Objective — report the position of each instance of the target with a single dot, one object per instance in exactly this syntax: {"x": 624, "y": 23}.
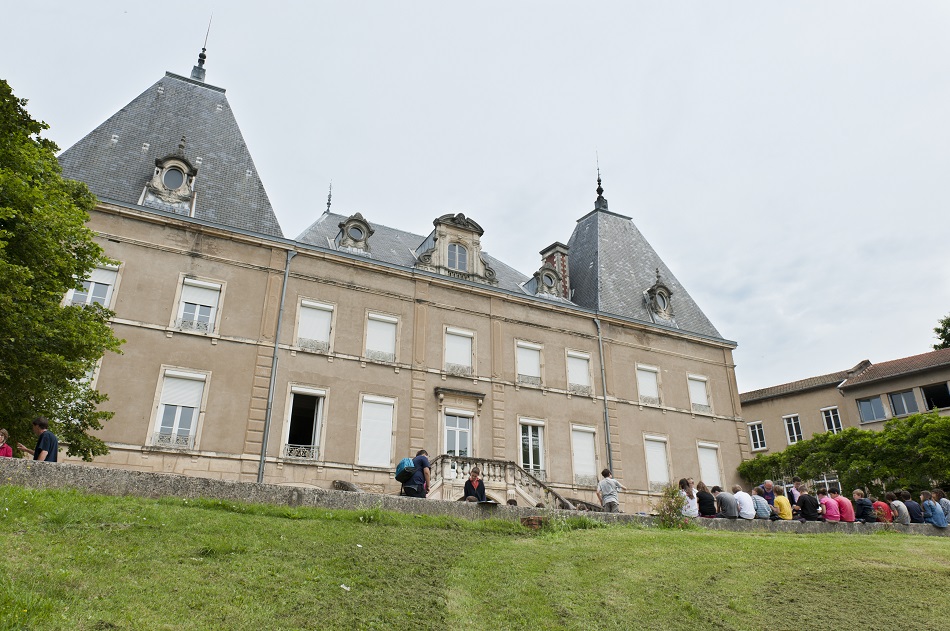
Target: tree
{"x": 47, "y": 350}
{"x": 943, "y": 333}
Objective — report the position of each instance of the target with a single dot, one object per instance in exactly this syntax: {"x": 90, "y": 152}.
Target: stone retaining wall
{"x": 103, "y": 481}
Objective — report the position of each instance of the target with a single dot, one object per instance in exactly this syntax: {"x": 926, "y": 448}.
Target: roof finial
{"x": 600, "y": 202}
{"x": 198, "y": 72}
{"x": 329, "y": 196}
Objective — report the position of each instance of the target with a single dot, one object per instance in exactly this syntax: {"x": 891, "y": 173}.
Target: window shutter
{"x": 314, "y": 323}
{"x": 182, "y": 392}
{"x": 585, "y": 463}
{"x": 529, "y": 362}
{"x": 200, "y": 295}
{"x": 376, "y": 427}
{"x": 381, "y": 336}
{"x": 578, "y": 370}
{"x": 709, "y": 466}
{"x": 458, "y": 349}
{"x": 657, "y": 468}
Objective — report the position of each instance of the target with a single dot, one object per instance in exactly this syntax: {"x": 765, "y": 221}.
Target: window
{"x": 458, "y": 351}
{"x": 871, "y": 409}
{"x": 709, "y": 470}
{"x": 381, "y": 337}
{"x": 578, "y": 372}
{"x": 793, "y": 428}
{"x": 698, "y": 395}
{"x": 96, "y": 289}
{"x": 585, "y": 460}
{"x": 903, "y": 403}
{"x": 458, "y": 257}
{"x": 178, "y": 409}
{"x": 304, "y": 425}
{"x": 832, "y": 420}
{"x": 658, "y": 468}
{"x": 314, "y": 326}
{"x": 199, "y": 305}
{"x": 936, "y": 396}
{"x": 532, "y": 447}
{"x": 528, "y": 358}
{"x": 647, "y": 385}
{"x": 458, "y": 433}
{"x": 376, "y": 431}
{"x": 757, "y": 436}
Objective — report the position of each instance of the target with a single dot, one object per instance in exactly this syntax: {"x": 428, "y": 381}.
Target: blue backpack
{"x": 405, "y": 470}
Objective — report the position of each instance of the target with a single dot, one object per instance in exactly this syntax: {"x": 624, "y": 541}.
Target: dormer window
{"x": 458, "y": 257}
{"x": 173, "y": 178}
{"x": 454, "y": 249}
{"x": 354, "y": 235}
{"x": 548, "y": 280}
{"x": 660, "y": 299}
{"x": 172, "y": 185}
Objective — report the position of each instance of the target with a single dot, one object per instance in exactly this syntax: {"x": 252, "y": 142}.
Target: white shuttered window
{"x": 709, "y": 465}
{"x": 381, "y": 337}
{"x": 658, "y": 469}
{"x": 376, "y": 431}
{"x": 585, "y": 459}
{"x": 313, "y": 325}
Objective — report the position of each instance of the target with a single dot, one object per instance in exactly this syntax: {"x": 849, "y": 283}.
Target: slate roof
{"x": 611, "y": 264}
{"x": 396, "y": 246}
{"x": 228, "y": 187}
{"x": 899, "y": 367}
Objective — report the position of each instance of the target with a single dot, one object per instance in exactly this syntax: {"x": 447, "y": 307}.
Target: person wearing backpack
{"x": 418, "y": 484}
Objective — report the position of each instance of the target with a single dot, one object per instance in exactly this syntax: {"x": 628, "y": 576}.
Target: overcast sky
{"x": 788, "y": 161}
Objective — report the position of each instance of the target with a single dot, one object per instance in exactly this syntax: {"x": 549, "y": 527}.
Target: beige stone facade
{"x": 232, "y": 361}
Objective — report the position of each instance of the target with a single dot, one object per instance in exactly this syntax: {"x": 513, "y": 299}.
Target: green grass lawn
{"x": 76, "y": 561}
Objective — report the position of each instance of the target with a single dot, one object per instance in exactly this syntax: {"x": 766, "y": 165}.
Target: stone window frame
{"x": 579, "y": 388}
{"x": 699, "y": 408}
{"x": 523, "y": 379}
{"x": 448, "y": 330}
{"x": 366, "y": 397}
{"x": 379, "y": 316}
{"x": 655, "y": 370}
{"x": 201, "y": 282}
{"x": 309, "y": 390}
{"x": 178, "y": 372}
{"x": 317, "y": 346}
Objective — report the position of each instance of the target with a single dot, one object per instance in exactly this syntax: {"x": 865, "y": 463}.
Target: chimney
{"x": 556, "y": 256}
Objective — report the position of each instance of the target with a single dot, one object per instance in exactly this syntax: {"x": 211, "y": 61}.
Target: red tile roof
{"x": 812, "y": 383}
{"x": 898, "y": 367}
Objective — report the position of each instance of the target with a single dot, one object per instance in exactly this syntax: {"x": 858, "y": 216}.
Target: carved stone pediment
{"x": 459, "y": 220}
{"x": 172, "y": 184}
{"x": 454, "y": 249}
{"x": 660, "y": 298}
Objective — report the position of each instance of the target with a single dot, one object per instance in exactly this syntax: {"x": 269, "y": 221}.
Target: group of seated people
{"x": 769, "y": 501}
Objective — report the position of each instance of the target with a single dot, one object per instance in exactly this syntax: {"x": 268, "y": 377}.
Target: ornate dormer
{"x": 172, "y": 185}
{"x": 454, "y": 249}
{"x": 354, "y": 234}
{"x": 551, "y": 280}
{"x": 659, "y": 299}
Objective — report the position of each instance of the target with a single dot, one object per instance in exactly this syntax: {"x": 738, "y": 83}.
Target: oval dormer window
{"x": 173, "y": 178}
{"x": 662, "y": 302}
{"x": 355, "y": 233}
{"x": 548, "y": 280}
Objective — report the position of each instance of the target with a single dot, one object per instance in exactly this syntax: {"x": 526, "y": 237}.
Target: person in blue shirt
{"x": 933, "y": 514}
{"x": 418, "y": 484}
{"x": 47, "y": 447}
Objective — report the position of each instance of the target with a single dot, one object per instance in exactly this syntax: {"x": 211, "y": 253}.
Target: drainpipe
{"x": 273, "y": 368}
{"x": 603, "y": 380}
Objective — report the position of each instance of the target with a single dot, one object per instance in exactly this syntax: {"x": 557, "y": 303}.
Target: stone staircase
{"x": 504, "y": 481}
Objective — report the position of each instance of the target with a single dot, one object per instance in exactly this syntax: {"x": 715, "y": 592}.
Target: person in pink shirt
{"x": 845, "y": 509}
{"x": 6, "y": 451}
{"x": 829, "y": 507}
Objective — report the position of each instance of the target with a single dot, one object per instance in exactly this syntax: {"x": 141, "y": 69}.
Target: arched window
{"x": 458, "y": 257}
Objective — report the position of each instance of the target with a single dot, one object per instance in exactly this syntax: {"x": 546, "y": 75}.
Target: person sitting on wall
{"x": 829, "y": 507}
{"x": 726, "y": 503}
{"x": 913, "y": 508}
{"x": 809, "y": 509}
{"x": 933, "y": 514}
{"x": 863, "y": 508}
{"x": 746, "y": 507}
{"x": 762, "y": 508}
{"x": 882, "y": 510}
{"x": 690, "y": 501}
{"x": 845, "y": 509}
{"x": 6, "y": 451}
{"x": 706, "y": 501}
{"x": 941, "y": 498}
{"x": 474, "y": 488}
{"x": 898, "y": 508}
{"x": 783, "y": 508}
{"x": 796, "y": 490}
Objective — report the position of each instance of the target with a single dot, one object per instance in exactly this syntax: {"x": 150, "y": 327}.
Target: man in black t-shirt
{"x": 47, "y": 447}
{"x": 807, "y": 507}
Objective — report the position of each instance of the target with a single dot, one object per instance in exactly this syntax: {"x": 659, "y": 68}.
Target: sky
{"x": 788, "y": 161}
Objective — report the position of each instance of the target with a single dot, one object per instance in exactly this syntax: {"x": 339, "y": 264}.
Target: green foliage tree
{"x": 942, "y": 330}
{"x": 910, "y": 452}
{"x": 46, "y": 349}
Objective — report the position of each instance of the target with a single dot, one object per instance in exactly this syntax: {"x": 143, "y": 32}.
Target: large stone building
{"x": 251, "y": 356}
{"x": 864, "y": 396}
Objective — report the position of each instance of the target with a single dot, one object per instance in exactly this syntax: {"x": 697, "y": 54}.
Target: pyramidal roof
{"x": 118, "y": 158}
{"x": 612, "y": 267}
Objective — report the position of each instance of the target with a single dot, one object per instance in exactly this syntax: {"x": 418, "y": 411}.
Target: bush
{"x": 669, "y": 510}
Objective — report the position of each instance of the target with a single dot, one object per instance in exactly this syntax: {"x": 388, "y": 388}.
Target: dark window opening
{"x": 936, "y": 396}
{"x": 304, "y": 435}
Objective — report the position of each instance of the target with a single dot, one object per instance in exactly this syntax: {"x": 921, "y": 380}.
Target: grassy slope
{"x": 86, "y": 562}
